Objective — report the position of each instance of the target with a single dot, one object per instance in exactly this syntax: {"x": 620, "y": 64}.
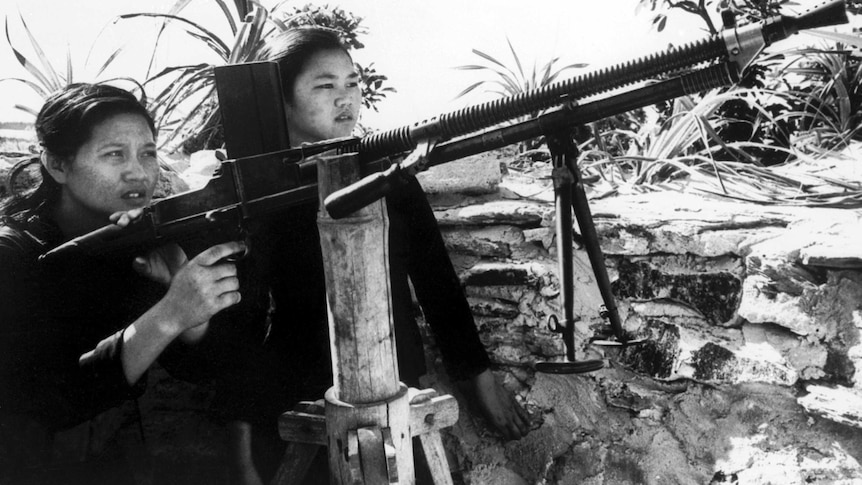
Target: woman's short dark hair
{"x": 67, "y": 118}
{"x": 66, "y": 122}
{"x": 291, "y": 49}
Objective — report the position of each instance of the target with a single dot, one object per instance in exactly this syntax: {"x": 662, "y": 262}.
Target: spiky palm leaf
{"x": 185, "y": 106}
{"x": 510, "y": 81}
{"x": 46, "y": 77}
{"x": 507, "y": 81}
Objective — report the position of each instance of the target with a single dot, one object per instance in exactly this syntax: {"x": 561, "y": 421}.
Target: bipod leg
{"x": 563, "y": 149}
{"x": 594, "y": 251}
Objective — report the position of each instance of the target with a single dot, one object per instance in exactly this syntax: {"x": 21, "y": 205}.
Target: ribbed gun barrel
{"x": 477, "y": 117}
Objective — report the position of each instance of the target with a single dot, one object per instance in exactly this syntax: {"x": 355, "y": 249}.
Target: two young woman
{"x": 77, "y": 336}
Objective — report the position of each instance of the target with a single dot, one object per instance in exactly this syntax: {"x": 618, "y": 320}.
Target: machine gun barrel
{"x": 783, "y": 26}
{"x": 734, "y": 49}
{"x": 739, "y": 44}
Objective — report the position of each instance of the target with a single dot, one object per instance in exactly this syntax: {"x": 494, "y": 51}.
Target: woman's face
{"x": 115, "y": 170}
{"x": 325, "y": 100}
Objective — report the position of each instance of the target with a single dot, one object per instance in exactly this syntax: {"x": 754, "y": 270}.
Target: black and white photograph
{"x": 268, "y": 242}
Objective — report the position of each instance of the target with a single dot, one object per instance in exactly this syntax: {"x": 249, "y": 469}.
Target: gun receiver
{"x": 251, "y": 186}
{"x": 240, "y": 190}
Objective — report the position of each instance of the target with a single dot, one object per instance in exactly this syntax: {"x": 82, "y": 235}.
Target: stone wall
{"x": 750, "y": 373}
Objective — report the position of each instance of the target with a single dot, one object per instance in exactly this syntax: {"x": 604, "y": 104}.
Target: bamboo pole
{"x": 367, "y": 409}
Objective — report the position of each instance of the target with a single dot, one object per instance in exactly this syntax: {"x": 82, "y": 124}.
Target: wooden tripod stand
{"x": 368, "y": 417}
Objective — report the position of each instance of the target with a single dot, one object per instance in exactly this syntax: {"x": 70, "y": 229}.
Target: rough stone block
{"x": 487, "y": 307}
{"x": 715, "y": 363}
{"x": 494, "y": 475}
{"x": 479, "y": 174}
{"x": 715, "y": 295}
{"x": 503, "y": 274}
{"x": 535, "y": 452}
{"x": 656, "y": 356}
{"x": 501, "y": 212}
{"x": 571, "y": 400}
{"x": 491, "y": 242}
{"x": 839, "y": 404}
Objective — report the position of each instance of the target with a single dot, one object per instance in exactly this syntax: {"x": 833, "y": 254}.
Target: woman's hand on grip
{"x": 204, "y": 285}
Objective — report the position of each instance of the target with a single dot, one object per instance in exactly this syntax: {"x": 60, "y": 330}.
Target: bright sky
{"x": 416, "y": 43}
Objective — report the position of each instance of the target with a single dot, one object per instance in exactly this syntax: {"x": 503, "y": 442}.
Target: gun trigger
{"x": 240, "y": 256}
{"x": 246, "y": 239}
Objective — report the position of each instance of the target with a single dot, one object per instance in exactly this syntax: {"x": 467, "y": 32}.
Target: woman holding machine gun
{"x": 78, "y": 336}
{"x": 322, "y": 101}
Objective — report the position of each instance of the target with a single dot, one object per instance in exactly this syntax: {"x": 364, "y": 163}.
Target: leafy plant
{"x": 686, "y": 147}
{"x": 507, "y": 81}
{"x": 666, "y": 145}
{"x": 803, "y": 93}
{"x": 373, "y": 90}
{"x": 348, "y": 26}
{"x": 47, "y": 78}
{"x": 705, "y": 9}
{"x": 810, "y": 94}
{"x": 186, "y": 105}
{"x": 659, "y": 20}
{"x": 831, "y": 82}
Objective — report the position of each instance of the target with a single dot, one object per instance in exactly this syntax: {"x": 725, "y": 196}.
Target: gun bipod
{"x": 570, "y": 198}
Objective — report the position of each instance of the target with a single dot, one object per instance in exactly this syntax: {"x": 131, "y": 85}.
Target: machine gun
{"x": 725, "y": 57}
{"x": 253, "y": 186}
{"x": 722, "y": 60}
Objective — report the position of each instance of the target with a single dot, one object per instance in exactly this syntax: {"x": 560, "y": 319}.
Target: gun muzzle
{"x": 89, "y": 242}
{"x": 780, "y": 27}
